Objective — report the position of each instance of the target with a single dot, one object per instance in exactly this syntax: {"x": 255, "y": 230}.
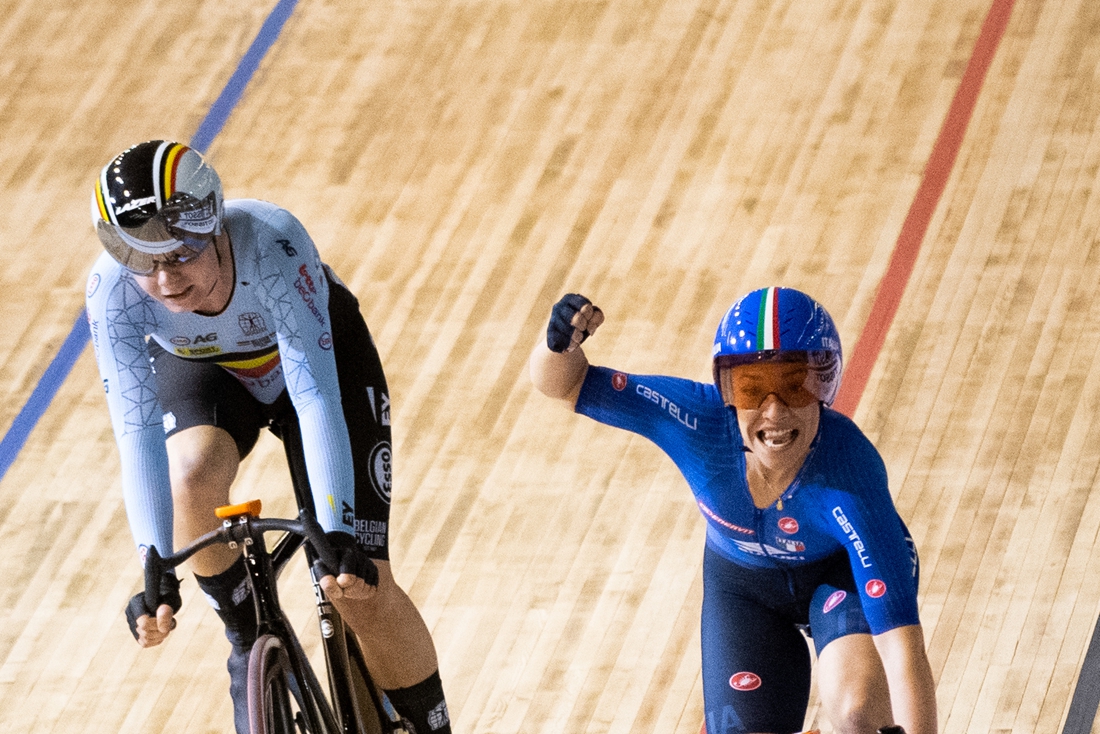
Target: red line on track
{"x": 936, "y": 173}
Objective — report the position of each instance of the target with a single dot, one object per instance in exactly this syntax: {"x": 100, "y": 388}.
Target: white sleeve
{"x": 118, "y": 316}
{"x": 295, "y": 290}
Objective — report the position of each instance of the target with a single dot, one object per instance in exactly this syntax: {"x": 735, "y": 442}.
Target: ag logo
{"x": 381, "y": 470}
{"x": 745, "y": 681}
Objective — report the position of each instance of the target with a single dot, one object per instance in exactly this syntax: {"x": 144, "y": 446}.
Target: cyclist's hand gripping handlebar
{"x": 338, "y": 553}
{"x": 161, "y": 588}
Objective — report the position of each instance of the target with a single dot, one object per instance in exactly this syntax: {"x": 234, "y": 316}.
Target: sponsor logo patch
{"x": 834, "y": 600}
{"x": 688, "y": 420}
{"x": 251, "y": 323}
{"x": 724, "y": 523}
{"x": 618, "y": 381}
{"x": 875, "y": 588}
{"x": 380, "y": 413}
{"x": 438, "y": 717}
{"x": 381, "y": 470}
{"x": 93, "y": 285}
{"x": 788, "y": 525}
{"x": 285, "y": 244}
{"x": 135, "y": 204}
{"x": 791, "y": 546}
{"x": 850, "y": 531}
{"x": 745, "y": 681}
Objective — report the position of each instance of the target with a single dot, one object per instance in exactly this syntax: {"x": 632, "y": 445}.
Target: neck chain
{"x": 768, "y": 485}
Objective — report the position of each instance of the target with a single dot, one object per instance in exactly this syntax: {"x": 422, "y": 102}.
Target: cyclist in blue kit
{"x": 802, "y": 533}
{"x": 211, "y": 320}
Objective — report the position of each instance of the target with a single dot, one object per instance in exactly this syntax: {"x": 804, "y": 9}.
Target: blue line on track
{"x": 1086, "y": 697}
{"x": 43, "y": 393}
{"x": 225, "y": 103}
{"x": 74, "y": 344}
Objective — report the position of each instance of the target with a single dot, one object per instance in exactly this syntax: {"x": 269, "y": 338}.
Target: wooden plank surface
{"x": 461, "y": 164}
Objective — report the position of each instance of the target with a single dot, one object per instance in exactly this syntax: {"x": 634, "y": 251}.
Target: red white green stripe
{"x": 767, "y": 325}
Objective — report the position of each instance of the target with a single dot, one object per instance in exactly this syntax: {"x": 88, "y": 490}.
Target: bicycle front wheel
{"x": 277, "y": 701}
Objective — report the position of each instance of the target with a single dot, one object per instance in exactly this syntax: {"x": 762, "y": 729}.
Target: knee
{"x": 201, "y": 461}
{"x": 860, "y": 709}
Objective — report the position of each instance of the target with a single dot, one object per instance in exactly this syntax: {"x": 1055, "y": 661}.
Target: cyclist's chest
{"x": 244, "y": 327}
{"x": 790, "y": 528}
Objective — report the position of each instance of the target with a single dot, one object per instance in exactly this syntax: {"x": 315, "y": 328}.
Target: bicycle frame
{"x": 246, "y": 531}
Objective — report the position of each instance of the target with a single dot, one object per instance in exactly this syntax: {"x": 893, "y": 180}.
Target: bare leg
{"x": 203, "y": 462}
{"x": 396, "y": 643}
{"x": 853, "y": 686}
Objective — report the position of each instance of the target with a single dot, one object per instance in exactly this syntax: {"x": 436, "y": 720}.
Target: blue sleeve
{"x": 295, "y": 290}
{"x": 663, "y": 409}
{"x": 119, "y": 317}
{"x": 862, "y": 517}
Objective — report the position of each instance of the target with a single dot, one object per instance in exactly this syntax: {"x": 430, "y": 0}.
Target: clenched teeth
{"x": 777, "y": 439}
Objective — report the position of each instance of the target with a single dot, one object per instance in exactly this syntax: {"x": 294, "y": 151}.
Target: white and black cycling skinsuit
{"x": 289, "y": 352}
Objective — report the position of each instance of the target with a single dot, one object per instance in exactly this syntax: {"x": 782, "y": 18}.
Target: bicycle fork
{"x": 340, "y": 660}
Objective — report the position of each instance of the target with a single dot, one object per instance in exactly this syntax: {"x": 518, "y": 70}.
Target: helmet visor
{"x": 747, "y": 386}
{"x": 178, "y": 233}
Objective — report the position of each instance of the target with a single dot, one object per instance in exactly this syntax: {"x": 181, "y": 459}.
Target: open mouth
{"x": 777, "y": 439}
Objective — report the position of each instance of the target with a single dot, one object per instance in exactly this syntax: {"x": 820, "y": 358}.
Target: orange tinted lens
{"x": 751, "y": 384}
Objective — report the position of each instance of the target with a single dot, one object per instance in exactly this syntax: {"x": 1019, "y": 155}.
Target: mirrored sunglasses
{"x": 747, "y": 386}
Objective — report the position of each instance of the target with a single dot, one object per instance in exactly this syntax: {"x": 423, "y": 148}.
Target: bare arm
{"x": 912, "y": 688}
{"x": 558, "y": 375}
{"x": 558, "y": 364}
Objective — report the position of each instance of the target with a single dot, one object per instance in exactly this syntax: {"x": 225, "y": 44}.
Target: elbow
{"x": 557, "y": 376}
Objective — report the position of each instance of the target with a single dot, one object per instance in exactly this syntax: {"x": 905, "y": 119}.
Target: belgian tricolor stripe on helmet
{"x": 767, "y": 320}
{"x": 165, "y": 162}
{"x": 169, "y": 161}
{"x": 100, "y": 199}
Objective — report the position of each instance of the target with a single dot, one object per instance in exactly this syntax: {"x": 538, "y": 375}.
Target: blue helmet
{"x": 781, "y": 324}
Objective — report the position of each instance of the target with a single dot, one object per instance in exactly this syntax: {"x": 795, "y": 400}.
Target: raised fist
{"x": 572, "y": 320}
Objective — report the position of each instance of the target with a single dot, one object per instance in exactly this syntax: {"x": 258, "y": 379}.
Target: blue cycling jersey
{"x": 839, "y": 500}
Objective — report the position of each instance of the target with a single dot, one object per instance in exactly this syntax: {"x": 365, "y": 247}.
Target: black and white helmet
{"x": 156, "y": 198}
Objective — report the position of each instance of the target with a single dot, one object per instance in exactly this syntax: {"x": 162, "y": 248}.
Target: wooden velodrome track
{"x": 462, "y": 163}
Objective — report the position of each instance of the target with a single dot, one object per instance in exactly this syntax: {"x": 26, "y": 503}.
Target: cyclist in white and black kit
{"x": 212, "y": 320}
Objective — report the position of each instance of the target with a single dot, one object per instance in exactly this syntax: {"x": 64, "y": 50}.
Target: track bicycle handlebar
{"x": 243, "y": 529}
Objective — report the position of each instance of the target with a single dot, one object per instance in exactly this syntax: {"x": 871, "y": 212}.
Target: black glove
{"x": 351, "y": 558}
{"x": 169, "y": 594}
{"x": 560, "y": 332}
